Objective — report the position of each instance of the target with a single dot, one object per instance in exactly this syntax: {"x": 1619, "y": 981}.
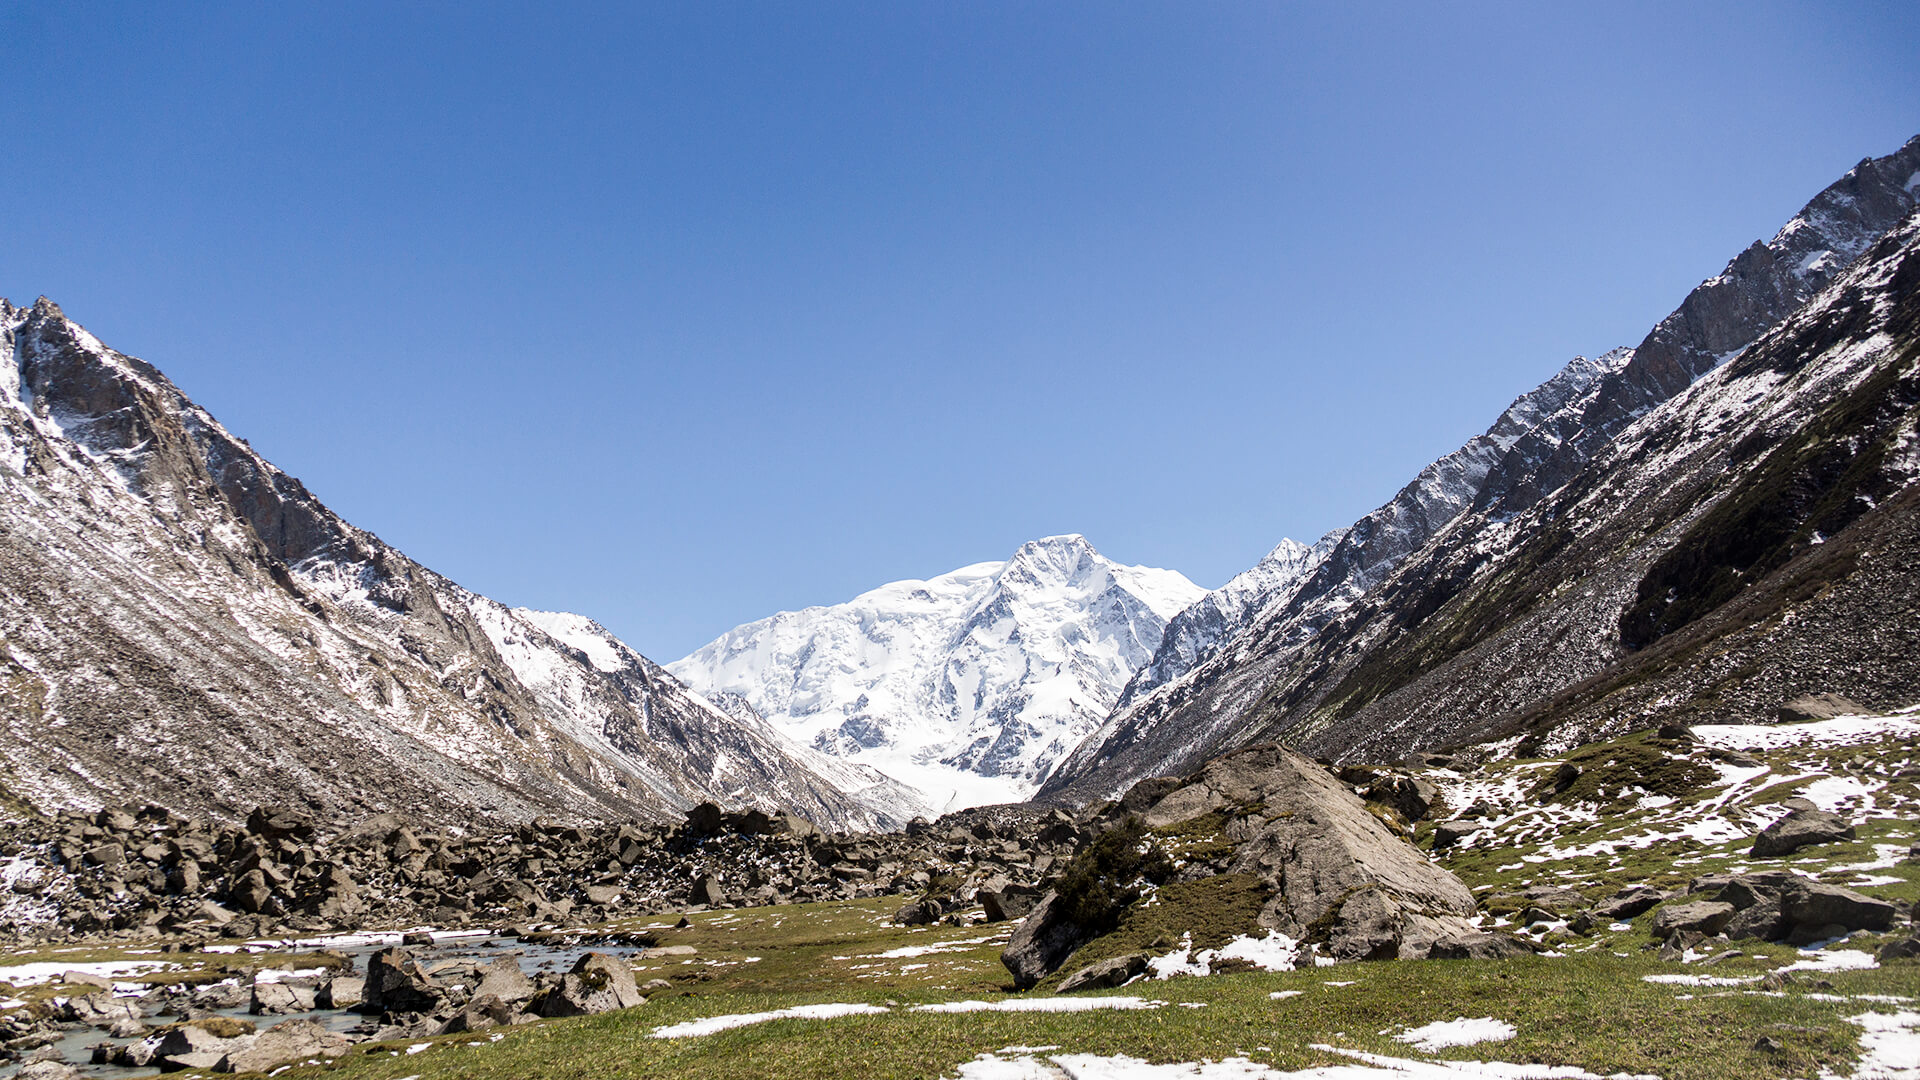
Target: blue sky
{"x": 679, "y": 315}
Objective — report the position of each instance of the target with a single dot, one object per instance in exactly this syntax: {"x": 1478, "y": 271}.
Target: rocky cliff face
{"x": 968, "y": 686}
{"x": 182, "y": 622}
{"x": 1273, "y": 674}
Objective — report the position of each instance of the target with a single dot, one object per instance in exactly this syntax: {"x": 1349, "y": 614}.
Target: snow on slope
{"x": 181, "y": 622}
{"x": 967, "y": 686}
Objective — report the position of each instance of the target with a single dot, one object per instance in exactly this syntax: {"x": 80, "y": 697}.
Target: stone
{"x": 1701, "y": 916}
{"x": 917, "y": 913}
{"x": 1008, "y": 902}
{"x": 1449, "y": 834}
{"x": 1630, "y": 901}
{"x": 49, "y": 1070}
{"x": 1760, "y": 921}
{"x": 278, "y": 824}
{"x": 280, "y": 998}
{"x": 1819, "y": 707}
{"x": 416, "y": 937}
{"x": 1338, "y": 874}
{"x": 483, "y": 1012}
{"x": 283, "y": 1044}
{"x": 707, "y": 889}
{"x": 598, "y": 983}
{"x": 341, "y": 992}
{"x": 502, "y": 978}
{"x": 1408, "y": 796}
{"x": 192, "y": 1046}
{"x": 1800, "y": 828}
{"x": 1900, "y": 949}
{"x": 250, "y": 893}
{"x": 99, "y": 1010}
{"x": 704, "y": 819}
{"x": 1812, "y": 903}
{"x": 602, "y": 895}
{"x": 1114, "y": 972}
{"x": 1476, "y": 945}
{"x": 395, "y": 983}
{"x": 1041, "y": 942}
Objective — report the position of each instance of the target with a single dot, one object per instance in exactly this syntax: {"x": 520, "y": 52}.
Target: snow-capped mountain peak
{"x": 968, "y": 685}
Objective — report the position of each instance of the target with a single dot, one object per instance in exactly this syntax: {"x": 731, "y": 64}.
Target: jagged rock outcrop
{"x": 182, "y": 622}
{"x": 1334, "y": 874}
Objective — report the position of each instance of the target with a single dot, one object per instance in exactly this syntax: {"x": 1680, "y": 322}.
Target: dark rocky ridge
{"x": 1357, "y": 655}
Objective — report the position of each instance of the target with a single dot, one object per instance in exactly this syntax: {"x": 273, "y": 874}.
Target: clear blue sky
{"x": 687, "y": 314}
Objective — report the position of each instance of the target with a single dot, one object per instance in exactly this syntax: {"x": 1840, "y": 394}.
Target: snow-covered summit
{"x": 968, "y": 685}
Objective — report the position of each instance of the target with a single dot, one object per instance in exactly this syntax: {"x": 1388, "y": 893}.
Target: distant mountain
{"x": 183, "y": 623}
{"x": 967, "y": 686}
{"x": 1289, "y": 670}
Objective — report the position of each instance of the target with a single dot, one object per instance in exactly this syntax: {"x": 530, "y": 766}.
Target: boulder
{"x": 1760, "y": 921}
{"x": 1630, "y": 901}
{"x": 341, "y": 992}
{"x": 1106, "y": 973}
{"x": 1819, "y": 707}
{"x": 503, "y": 979}
{"x": 1337, "y": 874}
{"x": 705, "y": 819}
{"x": 283, "y": 1044}
{"x": 395, "y": 983}
{"x": 49, "y": 1070}
{"x": 1805, "y": 824}
{"x": 192, "y": 1046}
{"x": 1042, "y": 942}
{"x": 280, "y": 998}
{"x": 1701, "y": 916}
{"x": 1008, "y": 902}
{"x": 706, "y": 890}
{"x": 1449, "y": 834}
{"x": 1408, "y": 796}
{"x": 101, "y": 1010}
{"x": 1475, "y": 945}
{"x": 598, "y": 983}
{"x": 250, "y": 893}
{"x": 917, "y": 913}
{"x": 484, "y": 1011}
{"x": 277, "y": 824}
{"x": 601, "y": 895}
{"x": 1818, "y": 905}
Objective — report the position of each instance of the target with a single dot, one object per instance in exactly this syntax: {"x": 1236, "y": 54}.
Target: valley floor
{"x": 838, "y": 990}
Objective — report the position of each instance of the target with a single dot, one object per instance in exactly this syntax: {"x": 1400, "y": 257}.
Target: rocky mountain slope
{"x": 967, "y": 686}
{"x": 183, "y": 623}
{"x": 1388, "y": 577}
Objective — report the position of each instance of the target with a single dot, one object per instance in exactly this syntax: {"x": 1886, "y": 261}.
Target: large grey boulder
{"x": 598, "y": 983}
{"x": 1816, "y": 904}
{"x": 1703, "y": 916}
{"x": 1805, "y": 824}
{"x": 1042, "y": 942}
{"x": 282, "y": 1044}
{"x": 190, "y": 1046}
{"x": 280, "y": 998}
{"x": 1339, "y": 875}
{"x": 395, "y": 983}
{"x": 1114, "y": 972}
{"x": 503, "y": 979}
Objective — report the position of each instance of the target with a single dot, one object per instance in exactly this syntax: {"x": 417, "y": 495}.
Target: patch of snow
{"x": 1833, "y": 960}
{"x": 1889, "y": 1047}
{"x": 34, "y": 974}
{"x": 1442, "y": 1034}
{"x": 1041, "y": 1005}
{"x": 709, "y": 1025}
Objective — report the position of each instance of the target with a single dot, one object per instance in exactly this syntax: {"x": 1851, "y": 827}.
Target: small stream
{"x": 450, "y": 948}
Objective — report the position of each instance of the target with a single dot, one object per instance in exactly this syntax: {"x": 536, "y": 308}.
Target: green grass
{"x": 1589, "y": 1008}
{"x": 1593, "y": 1012}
